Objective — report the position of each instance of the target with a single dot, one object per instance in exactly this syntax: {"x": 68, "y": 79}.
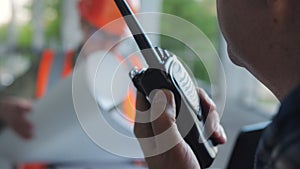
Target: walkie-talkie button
{"x": 176, "y": 68}
{"x": 185, "y": 78}
{"x": 159, "y": 51}
{"x": 185, "y": 84}
{"x": 166, "y": 53}
{"x": 133, "y": 72}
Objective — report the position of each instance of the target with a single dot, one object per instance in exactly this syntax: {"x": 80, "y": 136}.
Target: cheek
{"x": 227, "y": 20}
{"x": 224, "y": 17}
{"x": 220, "y": 14}
{"x": 229, "y": 28}
{"x": 240, "y": 23}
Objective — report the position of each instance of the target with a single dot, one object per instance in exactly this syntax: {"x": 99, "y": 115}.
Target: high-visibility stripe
{"x": 43, "y": 73}
{"x": 68, "y": 64}
{"x": 128, "y": 106}
{"x": 130, "y": 103}
{"x": 118, "y": 56}
{"x": 32, "y": 166}
{"x": 136, "y": 61}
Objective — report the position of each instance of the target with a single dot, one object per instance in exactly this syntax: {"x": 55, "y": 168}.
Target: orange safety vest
{"x": 52, "y": 67}
{"x": 49, "y": 74}
{"x": 45, "y": 71}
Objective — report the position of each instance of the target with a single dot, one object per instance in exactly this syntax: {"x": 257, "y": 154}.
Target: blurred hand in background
{"x": 13, "y": 115}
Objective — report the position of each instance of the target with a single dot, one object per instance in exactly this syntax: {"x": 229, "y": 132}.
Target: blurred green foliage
{"x": 25, "y": 34}
{"x": 51, "y": 23}
{"x": 3, "y": 32}
{"x": 53, "y": 20}
{"x": 201, "y": 13}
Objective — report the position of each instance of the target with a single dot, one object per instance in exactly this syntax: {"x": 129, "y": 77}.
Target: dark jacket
{"x": 280, "y": 144}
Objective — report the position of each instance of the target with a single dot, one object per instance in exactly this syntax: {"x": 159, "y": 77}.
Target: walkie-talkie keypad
{"x": 186, "y": 85}
{"x": 182, "y": 78}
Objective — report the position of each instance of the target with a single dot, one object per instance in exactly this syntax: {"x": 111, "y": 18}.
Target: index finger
{"x": 207, "y": 104}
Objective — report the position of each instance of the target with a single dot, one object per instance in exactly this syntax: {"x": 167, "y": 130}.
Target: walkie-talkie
{"x": 165, "y": 71}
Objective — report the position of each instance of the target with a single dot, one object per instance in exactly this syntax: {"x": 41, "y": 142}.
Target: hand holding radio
{"x": 166, "y": 72}
{"x": 180, "y": 156}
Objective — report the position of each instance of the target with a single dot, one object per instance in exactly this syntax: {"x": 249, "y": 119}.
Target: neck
{"x": 284, "y": 86}
{"x": 280, "y": 77}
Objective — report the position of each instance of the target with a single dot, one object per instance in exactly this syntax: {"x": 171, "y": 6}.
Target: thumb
{"x": 163, "y": 111}
{"x": 164, "y": 127}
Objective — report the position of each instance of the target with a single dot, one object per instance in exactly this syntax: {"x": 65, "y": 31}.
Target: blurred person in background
{"x": 52, "y": 66}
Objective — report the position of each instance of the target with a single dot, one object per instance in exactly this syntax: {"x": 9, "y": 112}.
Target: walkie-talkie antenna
{"x": 142, "y": 40}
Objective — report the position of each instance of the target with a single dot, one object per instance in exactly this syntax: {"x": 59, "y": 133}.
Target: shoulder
{"x": 280, "y": 142}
